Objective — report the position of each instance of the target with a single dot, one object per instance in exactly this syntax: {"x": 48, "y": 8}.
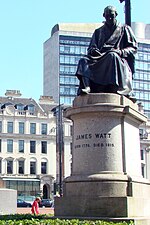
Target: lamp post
{"x": 60, "y": 145}
{"x": 58, "y": 112}
{"x": 127, "y": 11}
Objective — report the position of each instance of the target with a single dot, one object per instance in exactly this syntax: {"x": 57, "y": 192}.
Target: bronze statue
{"x": 109, "y": 64}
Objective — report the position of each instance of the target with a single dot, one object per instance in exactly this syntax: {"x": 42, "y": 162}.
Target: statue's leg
{"x": 83, "y": 74}
{"x": 86, "y": 85}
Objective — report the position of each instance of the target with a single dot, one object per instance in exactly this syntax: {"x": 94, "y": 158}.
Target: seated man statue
{"x": 109, "y": 64}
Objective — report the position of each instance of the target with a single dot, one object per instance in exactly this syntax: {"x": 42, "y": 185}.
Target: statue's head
{"x": 110, "y": 14}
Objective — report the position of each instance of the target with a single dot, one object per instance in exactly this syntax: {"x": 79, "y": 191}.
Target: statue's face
{"x": 110, "y": 16}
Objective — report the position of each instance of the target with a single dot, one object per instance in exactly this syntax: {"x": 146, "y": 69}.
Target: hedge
{"x": 29, "y": 219}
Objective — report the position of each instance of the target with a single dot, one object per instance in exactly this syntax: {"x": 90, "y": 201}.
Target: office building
{"x": 141, "y": 82}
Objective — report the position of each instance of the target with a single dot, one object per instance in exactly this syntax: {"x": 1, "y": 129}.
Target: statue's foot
{"x": 85, "y": 90}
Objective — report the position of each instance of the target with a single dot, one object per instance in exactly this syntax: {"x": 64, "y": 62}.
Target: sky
{"x": 26, "y": 24}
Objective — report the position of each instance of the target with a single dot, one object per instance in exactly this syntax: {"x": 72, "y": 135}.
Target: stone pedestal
{"x": 8, "y": 201}
{"x": 106, "y": 176}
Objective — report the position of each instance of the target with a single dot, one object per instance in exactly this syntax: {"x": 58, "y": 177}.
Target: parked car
{"x": 46, "y": 203}
{"x": 22, "y": 203}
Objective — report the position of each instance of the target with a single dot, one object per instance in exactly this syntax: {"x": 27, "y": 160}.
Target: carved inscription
{"x": 89, "y": 140}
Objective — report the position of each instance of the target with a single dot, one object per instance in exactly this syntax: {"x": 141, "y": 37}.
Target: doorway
{"x": 46, "y": 191}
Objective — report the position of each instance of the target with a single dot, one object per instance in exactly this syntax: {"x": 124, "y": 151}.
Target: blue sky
{"x": 26, "y": 24}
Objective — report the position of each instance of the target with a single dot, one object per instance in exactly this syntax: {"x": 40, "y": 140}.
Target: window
{"x": 21, "y": 146}
{"x": 9, "y": 145}
{"x": 44, "y": 147}
{"x": 31, "y": 109}
{"x": 0, "y": 126}
{"x": 67, "y": 59}
{"x": 32, "y": 167}
{"x": 21, "y": 128}
{"x": 20, "y": 107}
{"x": 43, "y": 167}
{"x": 21, "y": 167}
{"x": 141, "y": 56}
{"x": 61, "y": 59}
{"x": 32, "y": 128}
{"x": 32, "y": 146}
{"x": 61, "y": 48}
{"x": 9, "y": 167}
{"x": 9, "y": 127}
{"x": 44, "y": 128}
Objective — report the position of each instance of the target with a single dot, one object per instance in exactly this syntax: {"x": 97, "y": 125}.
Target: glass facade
{"x": 71, "y": 48}
{"x": 141, "y": 81}
{"x": 25, "y": 189}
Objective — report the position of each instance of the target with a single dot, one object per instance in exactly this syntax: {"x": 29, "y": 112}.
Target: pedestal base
{"x": 102, "y": 207}
{"x": 104, "y": 195}
{"x": 106, "y": 179}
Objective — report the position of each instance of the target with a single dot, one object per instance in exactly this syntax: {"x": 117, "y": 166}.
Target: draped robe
{"x": 110, "y": 67}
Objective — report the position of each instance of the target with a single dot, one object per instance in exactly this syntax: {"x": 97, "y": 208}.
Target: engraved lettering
{"x": 83, "y": 136}
{"x": 102, "y": 135}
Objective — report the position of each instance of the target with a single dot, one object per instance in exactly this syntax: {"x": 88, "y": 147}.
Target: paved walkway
{"x": 42, "y": 210}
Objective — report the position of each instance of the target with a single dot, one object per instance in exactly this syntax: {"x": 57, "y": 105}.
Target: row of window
{"x": 142, "y": 65}
{"x": 141, "y": 75}
{"x": 27, "y": 188}
{"x": 73, "y": 49}
{"x": 68, "y": 90}
{"x": 143, "y": 56}
{"x": 67, "y": 69}
{"x": 69, "y": 59}
{"x": 21, "y": 167}
{"x": 69, "y": 80}
{"x": 67, "y": 100}
{"x": 146, "y": 106}
{"x": 75, "y": 42}
{"x": 143, "y": 47}
{"x": 21, "y": 128}
{"x": 21, "y": 146}
{"x": 20, "y": 106}
{"x": 141, "y": 85}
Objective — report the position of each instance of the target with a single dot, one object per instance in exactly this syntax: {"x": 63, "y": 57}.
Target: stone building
{"x": 28, "y": 155}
